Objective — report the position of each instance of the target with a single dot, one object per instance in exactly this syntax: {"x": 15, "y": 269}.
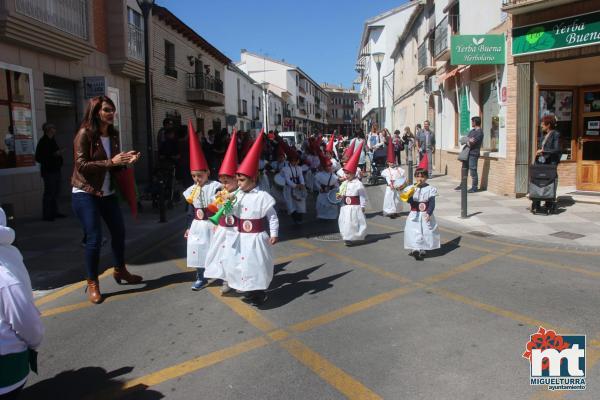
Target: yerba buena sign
{"x": 477, "y": 49}
{"x": 578, "y": 31}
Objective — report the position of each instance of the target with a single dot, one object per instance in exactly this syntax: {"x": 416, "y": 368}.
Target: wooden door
{"x": 588, "y": 143}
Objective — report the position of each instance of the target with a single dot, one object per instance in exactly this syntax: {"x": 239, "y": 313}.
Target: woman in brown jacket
{"x": 97, "y": 158}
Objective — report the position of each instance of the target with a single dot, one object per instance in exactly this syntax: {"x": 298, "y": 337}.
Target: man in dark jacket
{"x": 48, "y": 154}
{"x": 473, "y": 140}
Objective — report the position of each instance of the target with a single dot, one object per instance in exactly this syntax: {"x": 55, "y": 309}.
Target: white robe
{"x": 201, "y": 231}
{"x": 352, "y": 221}
{"x": 326, "y": 210}
{"x": 263, "y": 179}
{"x": 293, "y": 205}
{"x": 418, "y": 233}
{"x": 251, "y": 264}
{"x": 391, "y": 200}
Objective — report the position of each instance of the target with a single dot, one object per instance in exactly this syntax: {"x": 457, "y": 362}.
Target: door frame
{"x": 581, "y": 138}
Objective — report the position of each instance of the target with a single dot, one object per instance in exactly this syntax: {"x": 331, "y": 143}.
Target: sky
{"x": 319, "y": 36}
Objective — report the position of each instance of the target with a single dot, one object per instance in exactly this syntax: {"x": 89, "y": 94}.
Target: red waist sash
{"x": 421, "y": 207}
{"x": 251, "y": 225}
{"x": 351, "y": 200}
{"x": 202, "y": 214}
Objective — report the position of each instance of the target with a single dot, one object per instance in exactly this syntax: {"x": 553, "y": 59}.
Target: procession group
{"x": 234, "y": 222}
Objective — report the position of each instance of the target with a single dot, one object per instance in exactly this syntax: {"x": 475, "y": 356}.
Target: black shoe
{"x": 472, "y": 190}
{"x": 421, "y": 255}
{"x": 255, "y": 298}
{"x": 411, "y": 253}
{"x": 458, "y": 187}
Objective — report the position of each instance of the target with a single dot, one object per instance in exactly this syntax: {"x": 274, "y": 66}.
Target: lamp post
{"x": 146, "y": 7}
{"x": 378, "y": 58}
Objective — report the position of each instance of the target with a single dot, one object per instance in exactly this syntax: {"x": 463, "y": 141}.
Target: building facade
{"x": 305, "y": 107}
{"x": 380, "y": 35}
{"x": 49, "y": 66}
{"x": 243, "y": 100}
{"x": 344, "y": 114}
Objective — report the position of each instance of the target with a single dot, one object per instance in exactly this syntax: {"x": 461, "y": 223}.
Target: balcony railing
{"x": 302, "y": 111}
{"x": 441, "y": 42}
{"x": 302, "y": 90}
{"x": 135, "y": 42}
{"x": 424, "y": 59}
{"x": 69, "y": 16}
{"x": 202, "y": 81}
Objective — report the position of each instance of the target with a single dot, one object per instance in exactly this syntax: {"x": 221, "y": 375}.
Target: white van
{"x": 293, "y": 138}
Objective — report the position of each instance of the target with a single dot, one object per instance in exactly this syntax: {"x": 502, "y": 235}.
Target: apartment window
{"x": 244, "y": 107}
{"x": 490, "y": 115}
{"x": 218, "y": 75}
{"x": 170, "y": 59}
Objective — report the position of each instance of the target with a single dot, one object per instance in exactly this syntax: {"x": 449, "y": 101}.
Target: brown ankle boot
{"x": 93, "y": 289}
{"x": 121, "y": 274}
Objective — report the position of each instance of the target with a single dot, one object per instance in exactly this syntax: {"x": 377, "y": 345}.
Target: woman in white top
{"x": 98, "y": 158}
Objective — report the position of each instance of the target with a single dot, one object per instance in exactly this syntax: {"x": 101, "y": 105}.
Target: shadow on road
{"x": 287, "y": 287}
{"x": 445, "y": 249}
{"x": 84, "y": 383}
{"x": 153, "y": 284}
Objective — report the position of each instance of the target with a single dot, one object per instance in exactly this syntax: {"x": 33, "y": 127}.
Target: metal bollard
{"x": 463, "y": 191}
{"x": 162, "y": 209}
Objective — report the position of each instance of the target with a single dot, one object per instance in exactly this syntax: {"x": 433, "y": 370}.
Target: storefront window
{"x": 559, "y": 103}
{"x": 490, "y": 112}
{"x": 16, "y": 122}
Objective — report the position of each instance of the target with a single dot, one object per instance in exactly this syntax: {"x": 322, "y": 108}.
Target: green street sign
{"x": 582, "y": 30}
{"x": 477, "y": 49}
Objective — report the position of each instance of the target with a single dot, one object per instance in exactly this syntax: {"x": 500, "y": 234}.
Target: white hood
{"x": 10, "y": 256}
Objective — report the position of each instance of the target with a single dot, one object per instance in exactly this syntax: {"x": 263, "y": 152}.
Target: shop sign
{"x": 477, "y": 49}
{"x": 94, "y": 86}
{"x": 578, "y": 31}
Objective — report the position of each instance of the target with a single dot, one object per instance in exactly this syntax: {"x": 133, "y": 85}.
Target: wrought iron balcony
{"x": 441, "y": 42}
{"x": 526, "y": 6}
{"x": 135, "y": 42}
{"x": 425, "y": 62}
{"x": 205, "y": 90}
{"x": 69, "y": 16}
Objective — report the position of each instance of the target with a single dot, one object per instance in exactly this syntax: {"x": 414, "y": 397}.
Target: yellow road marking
{"x": 113, "y": 297}
{"x": 66, "y": 290}
{"x": 478, "y": 262}
{"x": 71, "y": 288}
{"x": 336, "y": 377}
{"x": 579, "y": 270}
{"x": 351, "y": 309}
{"x": 243, "y": 310}
{"x": 183, "y": 368}
{"x": 278, "y": 335}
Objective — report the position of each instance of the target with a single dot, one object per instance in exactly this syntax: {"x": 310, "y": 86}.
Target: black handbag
{"x": 464, "y": 153}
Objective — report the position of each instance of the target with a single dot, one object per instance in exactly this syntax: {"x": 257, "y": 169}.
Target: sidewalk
{"x": 577, "y": 225}
{"x": 53, "y": 253}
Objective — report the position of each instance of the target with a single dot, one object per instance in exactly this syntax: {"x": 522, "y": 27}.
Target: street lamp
{"x": 146, "y": 7}
{"x": 378, "y": 58}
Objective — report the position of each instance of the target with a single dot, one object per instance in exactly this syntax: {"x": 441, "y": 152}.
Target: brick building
{"x": 342, "y": 116}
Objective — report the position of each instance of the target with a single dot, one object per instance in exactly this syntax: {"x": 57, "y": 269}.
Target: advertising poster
{"x": 23, "y": 131}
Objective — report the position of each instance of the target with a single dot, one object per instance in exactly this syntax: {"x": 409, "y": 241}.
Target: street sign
{"x": 94, "y": 86}
{"x": 477, "y": 49}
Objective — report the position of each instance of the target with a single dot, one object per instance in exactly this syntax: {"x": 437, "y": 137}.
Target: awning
{"x": 450, "y": 74}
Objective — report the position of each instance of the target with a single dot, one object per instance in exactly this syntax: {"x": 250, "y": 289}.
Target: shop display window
{"x": 490, "y": 121}
{"x": 16, "y": 120}
{"x": 560, "y": 103}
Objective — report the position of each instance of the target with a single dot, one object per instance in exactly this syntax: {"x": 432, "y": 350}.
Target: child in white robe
{"x": 294, "y": 192}
{"x": 352, "y": 221}
{"x": 421, "y": 231}
{"x": 326, "y": 181}
{"x": 396, "y": 181}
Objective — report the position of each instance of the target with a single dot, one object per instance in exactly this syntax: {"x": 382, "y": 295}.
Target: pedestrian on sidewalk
{"x": 398, "y": 147}
{"x": 49, "y": 155}
{"x": 408, "y": 138}
{"x": 199, "y": 195}
{"x": 21, "y": 329}
{"x": 98, "y": 158}
{"x": 252, "y": 266}
{"x": 421, "y": 231}
{"x": 549, "y": 151}
{"x": 352, "y": 221}
{"x": 473, "y": 141}
{"x": 426, "y": 145}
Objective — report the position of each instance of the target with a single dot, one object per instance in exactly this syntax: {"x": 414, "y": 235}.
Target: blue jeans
{"x": 471, "y": 164}
{"x": 89, "y": 208}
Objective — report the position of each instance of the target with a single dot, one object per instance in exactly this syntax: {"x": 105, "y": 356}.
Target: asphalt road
{"x": 366, "y": 322}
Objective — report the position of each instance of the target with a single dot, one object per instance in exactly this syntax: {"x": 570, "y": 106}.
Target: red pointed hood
{"x": 391, "y": 157}
{"x": 329, "y": 147}
{"x": 352, "y": 163}
{"x": 197, "y": 159}
{"x": 349, "y": 150}
{"x": 249, "y": 166}
{"x": 424, "y": 163}
{"x": 230, "y": 161}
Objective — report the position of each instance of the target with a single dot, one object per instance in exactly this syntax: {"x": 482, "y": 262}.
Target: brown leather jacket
{"x": 91, "y": 162}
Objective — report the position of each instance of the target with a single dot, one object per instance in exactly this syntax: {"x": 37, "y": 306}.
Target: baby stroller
{"x": 543, "y": 182}
{"x": 378, "y": 164}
